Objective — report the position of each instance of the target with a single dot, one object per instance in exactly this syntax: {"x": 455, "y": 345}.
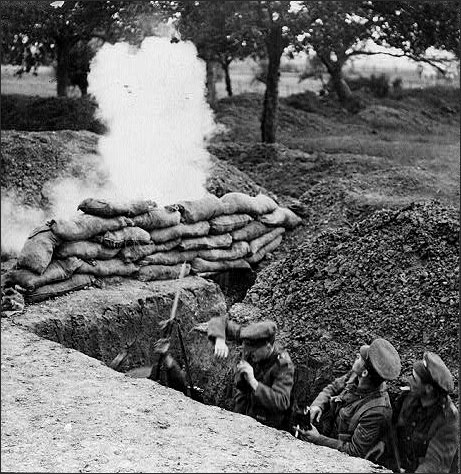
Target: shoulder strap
{"x": 381, "y": 401}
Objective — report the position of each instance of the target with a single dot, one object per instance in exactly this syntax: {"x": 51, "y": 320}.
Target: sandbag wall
{"x": 139, "y": 240}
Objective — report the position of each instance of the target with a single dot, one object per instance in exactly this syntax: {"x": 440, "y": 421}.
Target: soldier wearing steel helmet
{"x": 357, "y": 403}
{"x": 427, "y": 421}
{"x": 264, "y": 377}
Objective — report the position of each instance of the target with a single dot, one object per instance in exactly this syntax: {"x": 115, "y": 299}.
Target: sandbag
{"x": 107, "y": 208}
{"x": 134, "y": 253}
{"x": 85, "y": 226}
{"x": 168, "y": 258}
{"x": 240, "y": 203}
{"x": 199, "y": 265}
{"x": 161, "y": 272}
{"x": 85, "y": 250}
{"x": 198, "y": 229}
{"x": 257, "y": 244}
{"x": 57, "y": 270}
{"x": 37, "y": 252}
{"x": 108, "y": 267}
{"x": 75, "y": 282}
{"x": 124, "y": 237}
{"x": 223, "y": 224}
{"x": 263, "y": 251}
{"x": 200, "y": 210}
{"x": 158, "y": 218}
{"x": 281, "y": 217}
{"x": 251, "y": 231}
{"x": 237, "y": 250}
{"x": 211, "y": 242}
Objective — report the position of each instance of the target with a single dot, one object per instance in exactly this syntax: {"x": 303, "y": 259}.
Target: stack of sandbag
{"x": 140, "y": 240}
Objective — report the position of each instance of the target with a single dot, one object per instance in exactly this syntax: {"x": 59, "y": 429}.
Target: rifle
{"x": 167, "y": 326}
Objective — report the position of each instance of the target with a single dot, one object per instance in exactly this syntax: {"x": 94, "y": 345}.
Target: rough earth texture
{"x": 393, "y": 275}
{"x": 63, "y": 411}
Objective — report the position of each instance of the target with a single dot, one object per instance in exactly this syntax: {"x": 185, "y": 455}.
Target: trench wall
{"x": 122, "y": 318}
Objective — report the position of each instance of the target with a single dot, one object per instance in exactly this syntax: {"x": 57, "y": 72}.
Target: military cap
{"x": 438, "y": 371}
{"x": 383, "y": 357}
{"x": 259, "y": 332}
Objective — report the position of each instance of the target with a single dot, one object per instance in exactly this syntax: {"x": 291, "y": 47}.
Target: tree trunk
{"x": 269, "y": 116}
{"x": 211, "y": 81}
{"x": 63, "y": 47}
{"x": 225, "y": 66}
{"x": 340, "y": 85}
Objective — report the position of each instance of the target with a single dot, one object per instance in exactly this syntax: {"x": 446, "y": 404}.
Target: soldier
{"x": 359, "y": 408}
{"x": 427, "y": 421}
{"x": 264, "y": 378}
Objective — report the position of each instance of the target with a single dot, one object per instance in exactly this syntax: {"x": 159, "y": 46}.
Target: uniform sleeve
{"x": 277, "y": 397}
{"x": 334, "y": 388}
{"x": 176, "y": 378}
{"x": 441, "y": 449}
{"x": 222, "y": 327}
{"x": 240, "y": 401}
{"x": 368, "y": 432}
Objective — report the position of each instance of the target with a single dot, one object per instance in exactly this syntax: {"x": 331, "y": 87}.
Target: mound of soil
{"x": 30, "y": 160}
{"x": 433, "y": 110}
{"x": 393, "y": 275}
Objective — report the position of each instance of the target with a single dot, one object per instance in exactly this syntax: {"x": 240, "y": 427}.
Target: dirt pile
{"x": 30, "y": 160}
{"x": 394, "y": 275}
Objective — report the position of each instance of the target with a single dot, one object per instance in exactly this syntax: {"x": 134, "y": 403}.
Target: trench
{"x": 119, "y": 324}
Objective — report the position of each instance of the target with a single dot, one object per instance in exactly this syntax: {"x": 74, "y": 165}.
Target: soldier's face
{"x": 416, "y": 386}
{"x": 359, "y": 365}
{"x": 256, "y": 354}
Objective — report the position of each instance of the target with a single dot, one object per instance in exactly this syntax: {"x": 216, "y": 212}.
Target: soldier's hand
{"x": 220, "y": 348}
{"x": 244, "y": 368}
{"x": 308, "y": 435}
{"x": 316, "y": 413}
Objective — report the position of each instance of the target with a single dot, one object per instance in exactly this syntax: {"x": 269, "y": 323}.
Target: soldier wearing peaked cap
{"x": 427, "y": 421}
{"x": 264, "y": 378}
{"x": 357, "y": 404}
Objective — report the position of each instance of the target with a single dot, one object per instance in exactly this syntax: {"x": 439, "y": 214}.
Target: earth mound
{"x": 393, "y": 275}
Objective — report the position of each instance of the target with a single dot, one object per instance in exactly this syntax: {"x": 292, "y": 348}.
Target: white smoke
{"x": 153, "y": 100}
{"x": 18, "y": 221}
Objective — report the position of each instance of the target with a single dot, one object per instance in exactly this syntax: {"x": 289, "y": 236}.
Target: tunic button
{"x": 413, "y": 424}
{"x": 408, "y": 438}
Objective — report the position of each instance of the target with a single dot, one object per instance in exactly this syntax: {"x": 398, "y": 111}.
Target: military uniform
{"x": 358, "y": 417}
{"x": 270, "y": 401}
{"x": 427, "y": 436}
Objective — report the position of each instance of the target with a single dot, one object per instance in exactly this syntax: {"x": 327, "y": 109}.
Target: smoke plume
{"x": 153, "y": 101}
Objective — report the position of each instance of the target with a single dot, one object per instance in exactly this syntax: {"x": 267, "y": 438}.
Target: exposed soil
{"x": 63, "y": 411}
{"x": 393, "y": 275}
{"x": 334, "y": 283}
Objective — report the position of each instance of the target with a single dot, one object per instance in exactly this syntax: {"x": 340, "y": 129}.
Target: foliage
{"x": 217, "y": 29}
{"x": 58, "y": 29}
{"x": 415, "y": 26}
{"x": 377, "y": 84}
{"x": 338, "y": 30}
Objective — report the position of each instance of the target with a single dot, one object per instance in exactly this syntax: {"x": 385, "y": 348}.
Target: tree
{"x": 415, "y": 26}
{"x": 218, "y": 32}
{"x": 337, "y": 31}
{"x": 278, "y": 25}
{"x": 60, "y": 26}
{"x": 224, "y": 31}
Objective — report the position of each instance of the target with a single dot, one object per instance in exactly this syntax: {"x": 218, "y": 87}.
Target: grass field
{"x": 242, "y": 76}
